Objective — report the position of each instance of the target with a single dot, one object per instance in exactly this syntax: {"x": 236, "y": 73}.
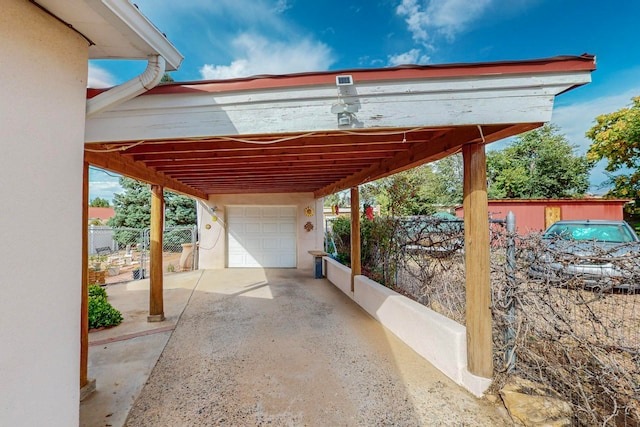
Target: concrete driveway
{"x": 274, "y": 347}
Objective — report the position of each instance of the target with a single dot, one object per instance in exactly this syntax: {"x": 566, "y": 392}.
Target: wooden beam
{"x": 443, "y": 145}
{"x": 416, "y": 155}
{"x": 156, "y": 305}
{"x": 117, "y": 163}
{"x": 174, "y": 168}
{"x": 267, "y": 152}
{"x": 169, "y": 162}
{"x": 273, "y": 173}
{"x": 186, "y": 146}
{"x": 356, "y": 263}
{"x": 478, "y": 284}
{"x": 84, "y": 304}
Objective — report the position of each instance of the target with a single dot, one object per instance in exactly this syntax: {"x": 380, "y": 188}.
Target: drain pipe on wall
{"x": 129, "y": 89}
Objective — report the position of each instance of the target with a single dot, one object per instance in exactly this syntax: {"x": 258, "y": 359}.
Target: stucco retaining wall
{"x": 339, "y": 275}
{"x": 435, "y": 337}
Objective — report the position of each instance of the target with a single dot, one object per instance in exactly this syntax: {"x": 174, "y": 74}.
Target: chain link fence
{"x": 555, "y": 322}
{"x": 123, "y": 254}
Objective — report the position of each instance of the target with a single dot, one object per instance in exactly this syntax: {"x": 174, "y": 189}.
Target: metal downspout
{"x": 129, "y": 89}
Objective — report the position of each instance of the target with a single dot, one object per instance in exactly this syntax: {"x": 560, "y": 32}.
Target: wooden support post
{"x": 87, "y": 385}
{"x": 156, "y": 305}
{"x": 84, "y": 305}
{"x": 478, "y": 284}
{"x": 356, "y": 267}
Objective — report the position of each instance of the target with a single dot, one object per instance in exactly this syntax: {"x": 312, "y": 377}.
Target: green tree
{"x": 616, "y": 139}
{"x": 133, "y": 207}
{"x": 445, "y": 184}
{"x": 538, "y": 164}
{"x": 401, "y": 194}
{"x": 418, "y": 191}
{"x": 340, "y": 199}
{"x": 99, "y": 203}
{"x": 166, "y": 78}
{"x": 179, "y": 210}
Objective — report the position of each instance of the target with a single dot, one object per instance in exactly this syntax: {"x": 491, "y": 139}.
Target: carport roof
{"x": 305, "y": 133}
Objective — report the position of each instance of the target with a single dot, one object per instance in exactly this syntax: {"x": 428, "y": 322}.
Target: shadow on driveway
{"x": 257, "y": 347}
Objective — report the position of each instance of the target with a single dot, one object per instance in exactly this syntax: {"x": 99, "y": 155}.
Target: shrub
{"x": 101, "y": 312}
{"x": 97, "y": 291}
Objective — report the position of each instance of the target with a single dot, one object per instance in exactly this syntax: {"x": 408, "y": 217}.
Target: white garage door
{"x": 261, "y": 236}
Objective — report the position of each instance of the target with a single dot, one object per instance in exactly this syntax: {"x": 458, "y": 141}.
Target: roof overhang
{"x": 115, "y": 29}
{"x": 305, "y": 133}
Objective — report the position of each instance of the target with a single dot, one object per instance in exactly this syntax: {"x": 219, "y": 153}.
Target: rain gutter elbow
{"x": 129, "y": 89}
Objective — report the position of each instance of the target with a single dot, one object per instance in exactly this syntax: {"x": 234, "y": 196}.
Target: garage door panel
{"x": 271, "y": 244}
{"x": 250, "y": 228}
{"x": 252, "y": 212}
{"x": 287, "y": 228}
{"x": 262, "y": 236}
{"x": 288, "y": 245}
{"x": 270, "y": 227}
{"x": 270, "y": 212}
{"x": 286, "y": 212}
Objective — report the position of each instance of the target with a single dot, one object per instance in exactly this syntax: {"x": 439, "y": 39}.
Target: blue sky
{"x": 234, "y": 38}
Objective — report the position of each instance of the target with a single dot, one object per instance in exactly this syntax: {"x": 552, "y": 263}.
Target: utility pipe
{"x": 129, "y": 89}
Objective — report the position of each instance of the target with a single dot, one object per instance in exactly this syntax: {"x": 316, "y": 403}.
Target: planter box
{"x": 96, "y": 277}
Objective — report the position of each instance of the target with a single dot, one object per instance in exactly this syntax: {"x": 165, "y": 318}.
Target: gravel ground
{"x": 286, "y": 350}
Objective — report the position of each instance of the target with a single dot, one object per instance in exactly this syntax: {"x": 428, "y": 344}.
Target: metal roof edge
{"x": 143, "y": 28}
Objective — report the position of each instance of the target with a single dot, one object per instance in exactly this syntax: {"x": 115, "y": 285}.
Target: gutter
{"x": 129, "y": 89}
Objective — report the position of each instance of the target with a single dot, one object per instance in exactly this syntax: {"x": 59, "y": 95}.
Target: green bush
{"x": 102, "y": 313}
{"x": 97, "y": 291}
{"x": 378, "y": 248}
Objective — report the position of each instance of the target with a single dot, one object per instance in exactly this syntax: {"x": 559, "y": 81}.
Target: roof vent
{"x": 344, "y": 80}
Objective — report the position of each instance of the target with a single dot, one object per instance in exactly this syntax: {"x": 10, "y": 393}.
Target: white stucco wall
{"x": 43, "y": 78}
{"x": 213, "y": 244}
{"x": 433, "y": 336}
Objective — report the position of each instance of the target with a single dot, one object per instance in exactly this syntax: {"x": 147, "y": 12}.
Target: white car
{"x": 602, "y": 254}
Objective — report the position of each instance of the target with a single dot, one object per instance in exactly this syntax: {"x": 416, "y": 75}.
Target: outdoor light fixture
{"x": 344, "y": 119}
{"x": 344, "y": 112}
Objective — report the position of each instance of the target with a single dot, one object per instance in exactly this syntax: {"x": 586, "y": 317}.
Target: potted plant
{"x": 113, "y": 269}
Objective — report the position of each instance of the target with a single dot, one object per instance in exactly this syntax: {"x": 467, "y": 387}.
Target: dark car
{"x": 602, "y": 254}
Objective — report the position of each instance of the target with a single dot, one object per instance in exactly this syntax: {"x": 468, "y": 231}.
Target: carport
{"x": 319, "y": 133}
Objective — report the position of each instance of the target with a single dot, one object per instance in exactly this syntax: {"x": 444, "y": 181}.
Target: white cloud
{"x": 446, "y": 17}
{"x": 103, "y": 184}
{"x": 282, "y": 6}
{"x": 257, "y": 55}
{"x": 99, "y": 78}
{"x": 104, "y": 189}
{"x": 414, "y": 56}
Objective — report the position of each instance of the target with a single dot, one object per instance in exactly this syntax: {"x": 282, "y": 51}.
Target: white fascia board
{"x": 142, "y": 32}
{"x": 496, "y": 99}
{"x": 117, "y": 29}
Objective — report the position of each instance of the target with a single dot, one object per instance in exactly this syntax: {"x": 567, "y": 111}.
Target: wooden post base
{"x": 87, "y": 389}
{"x": 155, "y": 318}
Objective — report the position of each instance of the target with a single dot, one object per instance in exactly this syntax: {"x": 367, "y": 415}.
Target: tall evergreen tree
{"x": 133, "y": 207}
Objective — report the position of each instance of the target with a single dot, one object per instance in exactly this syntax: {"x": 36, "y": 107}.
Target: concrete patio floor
{"x": 263, "y": 347}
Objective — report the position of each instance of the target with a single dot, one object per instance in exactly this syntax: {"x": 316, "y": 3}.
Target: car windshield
{"x": 613, "y": 233}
